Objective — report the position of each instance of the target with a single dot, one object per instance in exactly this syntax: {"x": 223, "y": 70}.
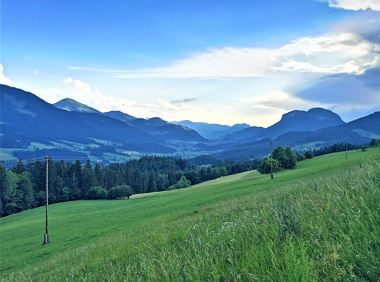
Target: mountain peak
{"x": 71, "y": 105}
{"x": 315, "y": 113}
{"x": 311, "y": 120}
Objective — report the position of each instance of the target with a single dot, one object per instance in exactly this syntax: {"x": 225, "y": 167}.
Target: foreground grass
{"x": 318, "y": 222}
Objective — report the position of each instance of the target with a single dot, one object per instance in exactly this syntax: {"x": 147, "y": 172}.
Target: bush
{"x": 308, "y": 155}
{"x": 121, "y": 191}
{"x": 267, "y": 165}
{"x": 97, "y": 192}
{"x": 183, "y": 182}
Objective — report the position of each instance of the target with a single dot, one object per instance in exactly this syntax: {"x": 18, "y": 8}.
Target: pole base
{"x": 46, "y": 239}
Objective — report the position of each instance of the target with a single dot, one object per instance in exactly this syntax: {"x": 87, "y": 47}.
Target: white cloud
{"x": 84, "y": 93}
{"x": 3, "y": 79}
{"x": 355, "y": 5}
{"x": 278, "y": 100}
{"x": 333, "y": 53}
{"x": 81, "y": 86}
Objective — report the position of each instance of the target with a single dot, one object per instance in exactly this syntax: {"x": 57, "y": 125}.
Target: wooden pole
{"x": 46, "y": 235}
{"x": 271, "y": 161}
{"x": 346, "y": 151}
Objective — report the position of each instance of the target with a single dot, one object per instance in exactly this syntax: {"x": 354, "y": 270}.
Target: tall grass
{"x": 321, "y": 228}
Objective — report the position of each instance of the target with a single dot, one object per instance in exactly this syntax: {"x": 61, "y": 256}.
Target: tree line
{"x": 23, "y": 186}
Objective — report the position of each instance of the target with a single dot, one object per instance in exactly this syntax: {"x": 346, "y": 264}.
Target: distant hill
{"x": 74, "y": 106}
{"x": 294, "y": 121}
{"x": 212, "y": 130}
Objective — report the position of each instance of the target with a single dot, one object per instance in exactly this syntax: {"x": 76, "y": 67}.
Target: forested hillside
{"x": 23, "y": 187}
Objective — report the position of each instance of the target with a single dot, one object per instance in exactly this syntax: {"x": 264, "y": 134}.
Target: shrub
{"x": 308, "y": 155}
{"x": 183, "y": 182}
{"x": 267, "y": 165}
{"x": 121, "y": 191}
{"x": 97, "y": 192}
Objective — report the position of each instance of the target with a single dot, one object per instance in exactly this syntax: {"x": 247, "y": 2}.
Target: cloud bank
{"x": 327, "y": 54}
{"x": 355, "y": 5}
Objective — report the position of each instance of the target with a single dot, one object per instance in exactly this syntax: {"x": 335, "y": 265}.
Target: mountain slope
{"x": 25, "y": 118}
{"x": 74, "y": 106}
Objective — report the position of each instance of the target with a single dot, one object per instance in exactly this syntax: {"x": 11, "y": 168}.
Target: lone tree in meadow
{"x": 281, "y": 158}
{"x": 285, "y": 156}
{"x": 268, "y": 165}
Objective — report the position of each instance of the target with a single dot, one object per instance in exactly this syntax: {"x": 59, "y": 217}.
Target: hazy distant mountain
{"x": 30, "y": 123}
{"x": 294, "y": 121}
{"x": 212, "y": 130}
{"x": 74, "y": 106}
{"x": 158, "y": 127}
{"x": 247, "y": 134}
{"x": 167, "y": 131}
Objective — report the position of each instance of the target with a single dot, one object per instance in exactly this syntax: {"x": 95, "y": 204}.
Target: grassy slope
{"x": 320, "y": 221}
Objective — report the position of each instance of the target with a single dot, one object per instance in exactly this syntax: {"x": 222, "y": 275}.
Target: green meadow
{"x": 318, "y": 222}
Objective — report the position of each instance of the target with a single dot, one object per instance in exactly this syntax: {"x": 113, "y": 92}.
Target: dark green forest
{"x": 23, "y": 187}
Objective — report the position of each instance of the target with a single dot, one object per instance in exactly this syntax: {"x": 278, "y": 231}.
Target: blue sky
{"x": 217, "y": 61}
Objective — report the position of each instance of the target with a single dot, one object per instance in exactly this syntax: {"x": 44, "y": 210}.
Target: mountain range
{"x": 31, "y": 127}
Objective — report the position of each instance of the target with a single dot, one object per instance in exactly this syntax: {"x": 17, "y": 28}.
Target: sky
{"x": 217, "y": 61}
